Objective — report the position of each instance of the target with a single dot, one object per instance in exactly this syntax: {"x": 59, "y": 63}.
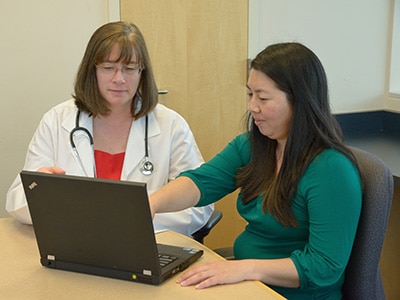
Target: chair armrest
{"x": 226, "y": 253}
{"x": 205, "y": 230}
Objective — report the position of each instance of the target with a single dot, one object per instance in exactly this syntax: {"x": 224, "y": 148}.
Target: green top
{"x": 327, "y": 207}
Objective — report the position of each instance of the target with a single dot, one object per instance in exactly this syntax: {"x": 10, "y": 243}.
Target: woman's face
{"x": 269, "y": 106}
{"x": 117, "y": 82}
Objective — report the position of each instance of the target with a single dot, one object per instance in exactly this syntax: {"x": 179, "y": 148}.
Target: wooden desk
{"x": 23, "y": 277}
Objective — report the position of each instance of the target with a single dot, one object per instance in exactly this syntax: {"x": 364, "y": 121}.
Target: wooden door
{"x": 199, "y": 54}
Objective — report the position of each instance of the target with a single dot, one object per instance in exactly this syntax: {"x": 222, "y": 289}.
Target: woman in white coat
{"x": 115, "y": 97}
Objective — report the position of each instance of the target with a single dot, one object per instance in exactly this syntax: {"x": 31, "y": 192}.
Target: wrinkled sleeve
{"x": 333, "y": 196}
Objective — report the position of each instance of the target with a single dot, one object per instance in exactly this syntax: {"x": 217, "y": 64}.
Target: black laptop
{"x": 101, "y": 227}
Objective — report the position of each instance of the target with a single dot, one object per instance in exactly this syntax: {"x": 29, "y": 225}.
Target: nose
{"x": 119, "y": 76}
{"x": 253, "y": 105}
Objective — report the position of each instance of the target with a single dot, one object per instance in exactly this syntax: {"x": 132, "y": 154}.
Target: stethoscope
{"x": 146, "y": 166}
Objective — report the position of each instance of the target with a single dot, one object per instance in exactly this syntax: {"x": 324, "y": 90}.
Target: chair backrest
{"x": 363, "y": 278}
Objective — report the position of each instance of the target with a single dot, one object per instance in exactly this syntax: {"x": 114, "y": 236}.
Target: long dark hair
{"x": 298, "y": 72}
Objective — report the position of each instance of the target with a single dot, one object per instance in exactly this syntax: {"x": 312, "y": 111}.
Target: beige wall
{"x": 42, "y": 43}
{"x": 207, "y": 87}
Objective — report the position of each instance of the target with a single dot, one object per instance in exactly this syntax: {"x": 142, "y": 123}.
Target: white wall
{"x": 42, "y": 43}
{"x": 393, "y": 102}
{"x": 350, "y": 37}
{"x": 394, "y": 86}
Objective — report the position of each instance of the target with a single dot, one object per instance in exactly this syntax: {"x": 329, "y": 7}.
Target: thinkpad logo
{"x": 32, "y": 185}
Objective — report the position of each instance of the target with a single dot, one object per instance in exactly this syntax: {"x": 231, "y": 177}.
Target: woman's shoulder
{"x": 332, "y": 154}
{"x": 241, "y": 141}
{"x": 165, "y": 114}
{"x": 66, "y": 106}
{"x": 162, "y": 109}
{"x": 332, "y": 159}
{"x": 242, "y": 138}
{"x": 238, "y": 147}
{"x": 61, "y": 111}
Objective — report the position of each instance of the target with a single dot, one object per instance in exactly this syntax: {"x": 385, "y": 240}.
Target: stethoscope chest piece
{"x": 147, "y": 167}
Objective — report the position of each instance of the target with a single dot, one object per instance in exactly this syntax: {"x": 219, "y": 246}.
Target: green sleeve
{"x": 216, "y": 178}
{"x": 331, "y": 190}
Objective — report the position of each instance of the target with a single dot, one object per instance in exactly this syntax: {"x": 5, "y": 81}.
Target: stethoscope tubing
{"x": 146, "y": 167}
{"x": 78, "y": 128}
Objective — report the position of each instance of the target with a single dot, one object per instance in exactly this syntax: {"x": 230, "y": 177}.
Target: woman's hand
{"x": 279, "y": 272}
{"x": 213, "y": 273}
{"x": 51, "y": 170}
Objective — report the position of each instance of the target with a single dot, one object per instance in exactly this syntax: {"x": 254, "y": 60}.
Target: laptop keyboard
{"x": 166, "y": 259}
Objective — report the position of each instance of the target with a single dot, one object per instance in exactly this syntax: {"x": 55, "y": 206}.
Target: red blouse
{"x": 109, "y": 165}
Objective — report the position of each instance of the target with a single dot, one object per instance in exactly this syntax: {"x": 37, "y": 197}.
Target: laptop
{"x": 100, "y": 227}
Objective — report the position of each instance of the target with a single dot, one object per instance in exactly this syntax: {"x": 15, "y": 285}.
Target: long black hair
{"x": 298, "y": 72}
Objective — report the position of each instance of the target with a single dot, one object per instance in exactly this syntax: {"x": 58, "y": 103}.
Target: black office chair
{"x": 362, "y": 275}
{"x": 200, "y": 234}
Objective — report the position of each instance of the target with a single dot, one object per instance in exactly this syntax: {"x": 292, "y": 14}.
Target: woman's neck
{"x": 111, "y": 132}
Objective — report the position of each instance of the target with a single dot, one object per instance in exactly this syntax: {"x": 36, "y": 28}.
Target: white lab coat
{"x": 172, "y": 149}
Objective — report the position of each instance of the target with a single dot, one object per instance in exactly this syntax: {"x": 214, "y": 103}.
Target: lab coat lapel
{"x": 82, "y": 141}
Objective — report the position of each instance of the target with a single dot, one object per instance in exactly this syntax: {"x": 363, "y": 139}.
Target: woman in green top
{"x": 300, "y": 188}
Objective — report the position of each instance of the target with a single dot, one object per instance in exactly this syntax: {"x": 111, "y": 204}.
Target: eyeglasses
{"x": 111, "y": 69}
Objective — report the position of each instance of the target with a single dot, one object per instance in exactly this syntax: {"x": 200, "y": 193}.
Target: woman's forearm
{"x": 278, "y": 272}
{"x": 177, "y": 195}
